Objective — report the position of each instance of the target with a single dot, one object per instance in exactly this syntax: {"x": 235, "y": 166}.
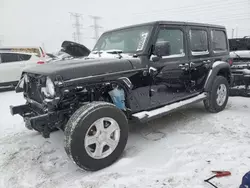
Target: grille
{"x": 33, "y": 88}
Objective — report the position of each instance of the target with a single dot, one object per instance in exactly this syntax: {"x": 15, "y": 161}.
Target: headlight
{"x": 49, "y": 90}
{"x": 50, "y": 87}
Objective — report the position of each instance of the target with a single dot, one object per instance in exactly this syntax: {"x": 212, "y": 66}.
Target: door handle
{"x": 205, "y": 62}
{"x": 184, "y": 66}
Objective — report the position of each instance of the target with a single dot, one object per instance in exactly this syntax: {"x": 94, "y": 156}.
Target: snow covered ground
{"x": 179, "y": 150}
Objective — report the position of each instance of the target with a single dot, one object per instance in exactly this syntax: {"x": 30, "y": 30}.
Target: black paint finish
{"x": 149, "y": 83}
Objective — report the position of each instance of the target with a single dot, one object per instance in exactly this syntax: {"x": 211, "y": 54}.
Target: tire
{"x": 81, "y": 124}
{"x": 211, "y": 103}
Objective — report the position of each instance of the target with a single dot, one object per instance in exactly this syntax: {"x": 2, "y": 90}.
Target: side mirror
{"x": 162, "y": 48}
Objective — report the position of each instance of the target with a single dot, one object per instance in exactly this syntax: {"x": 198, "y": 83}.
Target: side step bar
{"x": 145, "y": 116}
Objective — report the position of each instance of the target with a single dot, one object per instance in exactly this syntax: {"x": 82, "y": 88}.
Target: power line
{"x": 193, "y": 8}
{"x": 77, "y": 34}
{"x": 96, "y": 26}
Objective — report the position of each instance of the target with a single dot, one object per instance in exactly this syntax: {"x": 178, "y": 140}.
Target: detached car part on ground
{"x": 155, "y": 69}
{"x": 240, "y": 55}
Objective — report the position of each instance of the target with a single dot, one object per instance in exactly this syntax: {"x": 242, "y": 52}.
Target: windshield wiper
{"x": 118, "y": 52}
{"x": 114, "y": 51}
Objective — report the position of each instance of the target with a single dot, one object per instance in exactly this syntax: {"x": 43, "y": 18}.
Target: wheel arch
{"x": 125, "y": 85}
{"x": 219, "y": 68}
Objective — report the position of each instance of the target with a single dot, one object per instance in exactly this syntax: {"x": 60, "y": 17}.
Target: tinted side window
{"x": 175, "y": 39}
{"x": 199, "y": 41}
{"x": 24, "y": 57}
{"x": 219, "y": 40}
{"x": 9, "y": 57}
{"x": 12, "y": 57}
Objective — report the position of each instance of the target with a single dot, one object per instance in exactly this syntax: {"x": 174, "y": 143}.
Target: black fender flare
{"x": 218, "y": 67}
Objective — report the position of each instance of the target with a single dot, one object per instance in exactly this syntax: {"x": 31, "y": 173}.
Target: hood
{"x": 240, "y": 54}
{"x": 241, "y": 59}
{"x": 75, "y": 49}
{"x": 79, "y": 68}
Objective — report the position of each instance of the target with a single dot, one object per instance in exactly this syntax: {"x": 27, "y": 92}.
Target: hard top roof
{"x": 170, "y": 23}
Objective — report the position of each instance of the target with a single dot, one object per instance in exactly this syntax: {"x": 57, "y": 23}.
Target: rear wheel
{"x": 96, "y": 135}
{"x": 218, "y": 96}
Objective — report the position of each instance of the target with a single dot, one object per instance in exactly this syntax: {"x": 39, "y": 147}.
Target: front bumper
{"x": 240, "y": 82}
{"x": 240, "y": 77}
{"x": 43, "y": 123}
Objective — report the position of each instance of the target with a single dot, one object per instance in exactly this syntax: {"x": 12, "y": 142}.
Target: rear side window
{"x": 199, "y": 41}
{"x": 219, "y": 41}
{"x": 24, "y": 57}
{"x": 9, "y": 57}
{"x": 12, "y": 57}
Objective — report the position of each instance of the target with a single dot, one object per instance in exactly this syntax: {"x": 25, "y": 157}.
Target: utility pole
{"x": 96, "y": 26}
{"x": 236, "y": 31}
{"x": 77, "y": 34}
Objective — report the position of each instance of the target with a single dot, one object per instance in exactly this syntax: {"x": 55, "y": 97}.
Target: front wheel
{"x": 218, "y": 96}
{"x": 96, "y": 135}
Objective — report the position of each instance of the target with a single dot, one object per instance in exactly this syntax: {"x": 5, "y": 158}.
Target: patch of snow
{"x": 106, "y": 54}
{"x": 239, "y": 87}
{"x": 179, "y": 150}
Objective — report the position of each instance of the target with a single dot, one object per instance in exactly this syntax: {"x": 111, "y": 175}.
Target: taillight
{"x": 40, "y": 62}
{"x": 230, "y": 61}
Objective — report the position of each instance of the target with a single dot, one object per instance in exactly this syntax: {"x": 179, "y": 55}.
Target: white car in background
{"x": 13, "y": 62}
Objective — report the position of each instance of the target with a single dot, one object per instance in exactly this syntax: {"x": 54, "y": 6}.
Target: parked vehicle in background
{"x": 240, "y": 55}
{"x": 25, "y": 49}
{"x": 140, "y": 72}
{"x": 13, "y": 63}
{"x": 69, "y": 50}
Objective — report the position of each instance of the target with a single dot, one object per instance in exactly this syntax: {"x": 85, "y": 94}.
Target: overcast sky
{"x": 33, "y": 22}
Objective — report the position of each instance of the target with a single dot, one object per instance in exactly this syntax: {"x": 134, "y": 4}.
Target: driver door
{"x": 171, "y": 76}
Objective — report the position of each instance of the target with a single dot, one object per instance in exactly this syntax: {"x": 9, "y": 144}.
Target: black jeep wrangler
{"x": 137, "y": 73}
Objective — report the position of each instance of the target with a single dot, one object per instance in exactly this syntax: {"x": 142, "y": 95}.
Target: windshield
{"x": 129, "y": 40}
{"x": 239, "y": 44}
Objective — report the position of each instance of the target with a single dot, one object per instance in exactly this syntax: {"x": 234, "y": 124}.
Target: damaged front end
{"x": 50, "y": 103}
{"x": 241, "y": 76}
{"x": 41, "y": 111}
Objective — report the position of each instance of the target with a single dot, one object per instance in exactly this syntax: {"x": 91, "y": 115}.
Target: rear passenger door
{"x": 199, "y": 55}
